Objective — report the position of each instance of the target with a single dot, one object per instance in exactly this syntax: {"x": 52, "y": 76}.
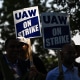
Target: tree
{"x": 71, "y": 7}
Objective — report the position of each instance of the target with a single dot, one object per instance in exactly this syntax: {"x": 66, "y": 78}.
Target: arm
{"x": 6, "y": 72}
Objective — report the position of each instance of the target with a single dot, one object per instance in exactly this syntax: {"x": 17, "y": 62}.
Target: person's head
{"x": 24, "y": 48}
{"x": 68, "y": 54}
{"x": 77, "y": 47}
{"x": 12, "y": 47}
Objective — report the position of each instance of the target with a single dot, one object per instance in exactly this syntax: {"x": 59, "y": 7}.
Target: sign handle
{"x": 61, "y": 76}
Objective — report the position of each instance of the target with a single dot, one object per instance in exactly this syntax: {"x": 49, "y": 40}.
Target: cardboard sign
{"x": 27, "y": 22}
{"x": 56, "y": 31}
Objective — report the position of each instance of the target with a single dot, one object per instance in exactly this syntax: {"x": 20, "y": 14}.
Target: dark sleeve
{"x": 1, "y": 76}
{"x": 39, "y": 64}
{"x": 6, "y": 72}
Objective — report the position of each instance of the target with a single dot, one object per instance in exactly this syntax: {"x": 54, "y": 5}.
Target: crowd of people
{"x": 20, "y": 63}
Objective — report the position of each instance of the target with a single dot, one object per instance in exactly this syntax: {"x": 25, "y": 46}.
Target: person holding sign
{"x": 34, "y": 65}
{"x": 17, "y": 63}
{"x": 70, "y": 72}
{"x": 9, "y": 61}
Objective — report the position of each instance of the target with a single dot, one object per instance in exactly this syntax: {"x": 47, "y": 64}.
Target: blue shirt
{"x": 68, "y": 74}
{"x": 14, "y": 68}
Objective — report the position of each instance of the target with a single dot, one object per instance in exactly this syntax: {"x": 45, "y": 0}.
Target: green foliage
{"x": 6, "y": 16}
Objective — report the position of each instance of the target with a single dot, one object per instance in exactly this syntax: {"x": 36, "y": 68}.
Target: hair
{"x": 13, "y": 37}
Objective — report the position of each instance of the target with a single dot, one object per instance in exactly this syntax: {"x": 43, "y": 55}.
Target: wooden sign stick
{"x": 61, "y": 77}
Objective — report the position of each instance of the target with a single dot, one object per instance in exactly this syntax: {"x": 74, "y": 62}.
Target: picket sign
{"x": 56, "y": 30}
{"x": 56, "y": 33}
{"x": 27, "y": 22}
{"x": 27, "y": 25}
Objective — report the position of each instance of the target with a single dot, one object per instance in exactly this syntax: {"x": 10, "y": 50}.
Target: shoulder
{"x": 53, "y": 74}
{"x": 54, "y": 71}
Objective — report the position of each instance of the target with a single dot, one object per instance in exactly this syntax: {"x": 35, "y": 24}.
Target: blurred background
{"x": 7, "y": 28}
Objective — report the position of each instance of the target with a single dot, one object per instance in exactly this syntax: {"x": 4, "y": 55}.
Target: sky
{"x": 76, "y": 39}
{"x": 1, "y": 3}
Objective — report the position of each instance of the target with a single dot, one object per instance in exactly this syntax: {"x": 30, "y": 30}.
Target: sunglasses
{"x": 22, "y": 44}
